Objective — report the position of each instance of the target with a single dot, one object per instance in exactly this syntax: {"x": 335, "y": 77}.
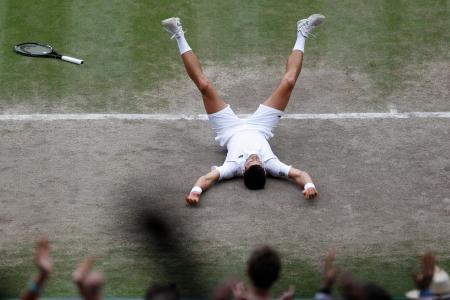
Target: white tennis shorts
{"x": 225, "y": 122}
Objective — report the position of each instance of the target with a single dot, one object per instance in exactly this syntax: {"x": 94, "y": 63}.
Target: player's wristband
{"x": 308, "y": 186}
{"x": 34, "y": 287}
{"x": 196, "y": 189}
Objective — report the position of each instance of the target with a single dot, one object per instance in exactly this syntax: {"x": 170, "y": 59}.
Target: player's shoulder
{"x": 230, "y": 169}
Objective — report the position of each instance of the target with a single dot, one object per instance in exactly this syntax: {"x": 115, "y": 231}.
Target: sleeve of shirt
{"x": 276, "y": 168}
{"x": 228, "y": 170}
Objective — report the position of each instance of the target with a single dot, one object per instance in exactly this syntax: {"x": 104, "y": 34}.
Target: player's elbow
{"x": 203, "y": 179}
{"x": 297, "y": 174}
{"x": 207, "y": 179}
{"x": 204, "y": 84}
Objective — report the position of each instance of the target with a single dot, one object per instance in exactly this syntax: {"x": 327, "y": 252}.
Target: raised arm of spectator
{"x": 424, "y": 278}
{"x": 45, "y": 266}
{"x": 90, "y": 284}
{"x": 224, "y": 290}
{"x": 289, "y": 294}
{"x": 201, "y": 185}
{"x": 329, "y": 277}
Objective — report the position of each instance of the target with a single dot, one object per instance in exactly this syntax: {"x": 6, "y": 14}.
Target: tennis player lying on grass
{"x": 249, "y": 153}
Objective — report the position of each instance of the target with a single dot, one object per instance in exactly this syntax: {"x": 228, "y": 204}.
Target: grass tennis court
{"x": 384, "y": 183}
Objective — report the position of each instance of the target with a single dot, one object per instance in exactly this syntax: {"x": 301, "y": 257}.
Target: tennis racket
{"x": 39, "y": 50}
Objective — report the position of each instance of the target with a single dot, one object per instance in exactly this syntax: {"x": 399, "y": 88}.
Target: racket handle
{"x": 72, "y": 60}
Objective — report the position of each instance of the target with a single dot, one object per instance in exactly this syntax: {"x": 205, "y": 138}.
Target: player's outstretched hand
{"x": 310, "y": 193}
{"x": 193, "y": 199}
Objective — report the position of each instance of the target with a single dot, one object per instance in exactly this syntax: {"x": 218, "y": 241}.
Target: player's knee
{"x": 204, "y": 85}
{"x": 290, "y": 80}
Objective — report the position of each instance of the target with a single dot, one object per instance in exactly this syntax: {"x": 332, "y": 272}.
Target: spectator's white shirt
{"x": 245, "y": 143}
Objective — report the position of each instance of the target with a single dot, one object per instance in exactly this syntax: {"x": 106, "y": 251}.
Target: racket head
{"x": 36, "y": 50}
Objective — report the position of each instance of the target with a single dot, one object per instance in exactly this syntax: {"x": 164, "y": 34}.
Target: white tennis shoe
{"x": 173, "y": 25}
{"x": 306, "y": 26}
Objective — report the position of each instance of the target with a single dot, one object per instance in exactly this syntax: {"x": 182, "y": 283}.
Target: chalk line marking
{"x": 393, "y": 114}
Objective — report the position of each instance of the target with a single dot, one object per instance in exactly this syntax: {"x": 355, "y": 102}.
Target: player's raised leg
{"x": 211, "y": 99}
{"x": 280, "y": 97}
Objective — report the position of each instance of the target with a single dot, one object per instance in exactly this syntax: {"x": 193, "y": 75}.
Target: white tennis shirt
{"x": 245, "y": 143}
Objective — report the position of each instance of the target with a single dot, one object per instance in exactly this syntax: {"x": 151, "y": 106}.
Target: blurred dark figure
{"x": 90, "y": 283}
{"x": 263, "y": 270}
{"x": 375, "y": 292}
{"x": 44, "y": 264}
{"x": 350, "y": 288}
{"x": 158, "y": 230}
{"x": 8, "y": 289}
{"x": 162, "y": 292}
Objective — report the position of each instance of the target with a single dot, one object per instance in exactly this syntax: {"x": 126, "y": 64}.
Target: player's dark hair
{"x": 162, "y": 292}
{"x": 264, "y": 267}
{"x": 375, "y": 292}
{"x": 255, "y": 177}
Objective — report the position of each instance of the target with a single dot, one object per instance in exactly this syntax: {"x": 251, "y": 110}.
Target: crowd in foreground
{"x": 263, "y": 270}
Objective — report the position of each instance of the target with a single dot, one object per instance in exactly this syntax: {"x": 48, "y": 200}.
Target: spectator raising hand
{"x": 289, "y": 294}
{"x": 330, "y": 273}
{"x": 90, "y": 284}
{"x": 44, "y": 264}
{"x": 423, "y": 278}
{"x": 240, "y": 292}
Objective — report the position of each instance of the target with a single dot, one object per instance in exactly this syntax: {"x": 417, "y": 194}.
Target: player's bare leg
{"x": 280, "y": 97}
{"x": 211, "y": 99}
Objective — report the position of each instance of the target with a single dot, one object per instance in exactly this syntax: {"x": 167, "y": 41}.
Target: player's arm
{"x": 303, "y": 180}
{"x": 201, "y": 185}
{"x": 277, "y": 168}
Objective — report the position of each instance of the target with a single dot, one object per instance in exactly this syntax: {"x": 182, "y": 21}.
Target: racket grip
{"x": 72, "y": 60}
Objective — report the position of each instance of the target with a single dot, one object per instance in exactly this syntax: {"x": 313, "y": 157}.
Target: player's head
{"x": 254, "y": 173}
{"x": 263, "y": 267}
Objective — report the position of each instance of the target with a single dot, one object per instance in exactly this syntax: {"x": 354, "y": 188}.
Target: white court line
{"x": 174, "y": 117}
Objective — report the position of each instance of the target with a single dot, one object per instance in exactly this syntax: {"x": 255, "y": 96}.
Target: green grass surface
{"x": 129, "y": 269}
{"x": 128, "y": 54}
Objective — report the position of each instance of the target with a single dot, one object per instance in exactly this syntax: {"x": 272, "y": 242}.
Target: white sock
{"x": 300, "y": 43}
{"x": 182, "y": 44}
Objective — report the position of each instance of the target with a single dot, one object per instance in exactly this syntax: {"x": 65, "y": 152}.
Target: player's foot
{"x": 173, "y": 25}
{"x": 306, "y": 26}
